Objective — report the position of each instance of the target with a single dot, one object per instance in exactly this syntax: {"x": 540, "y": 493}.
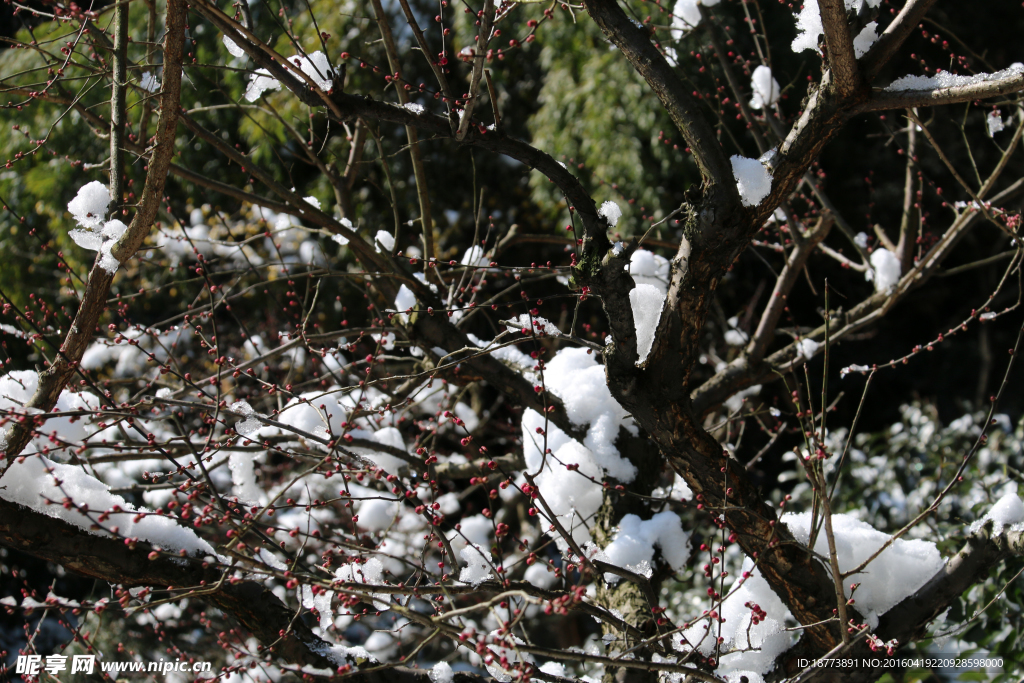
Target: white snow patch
{"x": 251, "y": 422}
{"x": 377, "y": 514}
{"x": 634, "y": 541}
{"x": 686, "y": 15}
{"x": 995, "y": 123}
{"x": 540, "y": 575}
{"x": 259, "y": 83}
{"x": 316, "y": 67}
{"x": 404, "y": 301}
{"x": 384, "y": 239}
{"x": 539, "y": 325}
{"x": 735, "y": 402}
{"x": 149, "y": 82}
{"x": 865, "y": 39}
{"x": 478, "y": 565}
{"x": 1007, "y": 511}
{"x": 575, "y": 376}
{"x": 766, "y": 88}
{"x": 474, "y": 257}
{"x": 611, "y": 212}
{"x": 648, "y": 268}
{"x": 442, "y": 673}
{"x": 647, "y": 302}
{"x": 233, "y": 47}
{"x": 853, "y": 368}
{"x": 885, "y": 270}
{"x": 895, "y": 574}
{"x": 243, "y": 475}
{"x": 88, "y": 208}
{"x": 752, "y": 179}
{"x": 90, "y": 205}
{"x": 736, "y": 337}
{"x": 807, "y": 348}
{"x": 370, "y": 573}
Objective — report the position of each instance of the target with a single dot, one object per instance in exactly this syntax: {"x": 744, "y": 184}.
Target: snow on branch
{"x": 945, "y": 88}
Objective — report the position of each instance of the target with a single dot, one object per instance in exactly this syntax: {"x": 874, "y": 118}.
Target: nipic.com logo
{"x": 35, "y": 665}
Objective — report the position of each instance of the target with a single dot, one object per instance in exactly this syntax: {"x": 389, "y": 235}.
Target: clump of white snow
{"x": 853, "y": 368}
{"x": 1007, "y": 511}
{"x": 243, "y": 476}
{"x": 384, "y": 239}
{"x": 865, "y": 39}
{"x": 475, "y": 257}
{"x": 315, "y": 66}
{"x": 807, "y": 348}
{"x": 611, "y": 212}
{"x": 646, "y": 302}
{"x": 648, "y": 268}
{"x": 259, "y": 83}
{"x": 686, "y": 15}
{"x": 252, "y": 419}
{"x": 735, "y": 336}
{"x": 133, "y": 360}
{"x": 895, "y": 574}
{"x": 634, "y": 541}
{"x": 149, "y": 82}
{"x": 574, "y": 494}
{"x": 752, "y": 179}
{"x": 370, "y": 573}
{"x": 885, "y": 270}
{"x": 540, "y": 575}
{"x": 388, "y": 436}
{"x": 404, "y": 300}
{"x": 478, "y": 565}
{"x": 994, "y": 122}
{"x": 321, "y": 602}
{"x": 233, "y": 47}
{"x": 377, "y": 514}
{"x": 89, "y": 207}
{"x": 538, "y": 325}
{"x": 442, "y": 673}
{"x": 735, "y": 402}
{"x": 766, "y": 88}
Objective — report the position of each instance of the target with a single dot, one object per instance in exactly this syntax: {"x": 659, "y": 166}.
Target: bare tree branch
{"x": 426, "y": 220}
{"x": 795, "y": 263}
{"x": 888, "y": 44}
{"x": 479, "y": 58}
{"x": 636, "y": 45}
{"x": 839, "y": 46}
{"x": 54, "y": 378}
